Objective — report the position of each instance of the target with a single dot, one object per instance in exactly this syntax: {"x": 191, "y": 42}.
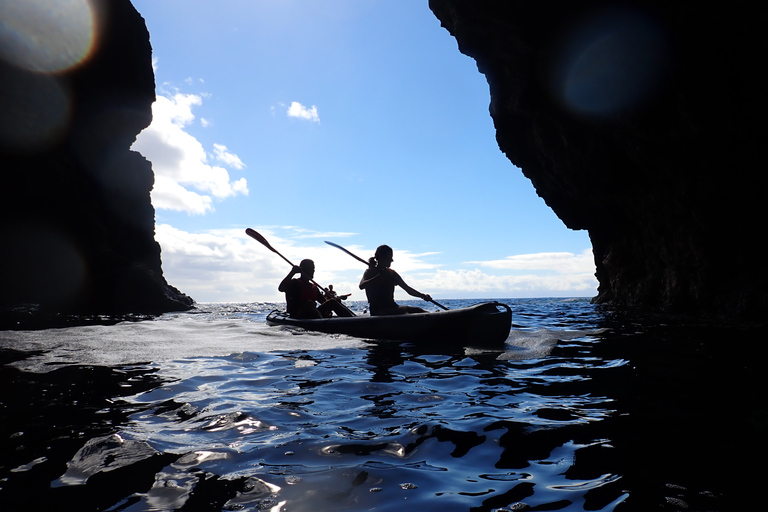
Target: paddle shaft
{"x": 263, "y": 241}
{"x": 358, "y": 258}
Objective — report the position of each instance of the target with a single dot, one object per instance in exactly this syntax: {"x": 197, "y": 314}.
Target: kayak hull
{"x": 484, "y": 324}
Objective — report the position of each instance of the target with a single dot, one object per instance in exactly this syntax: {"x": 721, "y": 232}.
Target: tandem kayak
{"x": 483, "y": 324}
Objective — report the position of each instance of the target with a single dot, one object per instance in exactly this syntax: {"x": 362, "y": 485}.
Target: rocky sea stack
{"x": 75, "y": 212}
{"x": 643, "y": 123}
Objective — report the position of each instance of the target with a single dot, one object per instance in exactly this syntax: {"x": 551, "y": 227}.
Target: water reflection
{"x": 623, "y": 417}
{"x": 67, "y": 420}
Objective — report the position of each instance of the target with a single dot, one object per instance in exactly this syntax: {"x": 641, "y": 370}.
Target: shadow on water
{"x": 629, "y": 415}
{"x": 689, "y": 422}
{"x": 46, "y": 418}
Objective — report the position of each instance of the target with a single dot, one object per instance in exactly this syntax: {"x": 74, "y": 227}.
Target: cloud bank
{"x": 560, "y": 262}
{"x": 228, "y": 266}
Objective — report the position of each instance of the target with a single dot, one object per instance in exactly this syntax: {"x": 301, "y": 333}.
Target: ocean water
{"x": 585, "y": 408}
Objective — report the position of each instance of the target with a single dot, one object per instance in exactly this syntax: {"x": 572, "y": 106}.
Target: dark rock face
{"x": 641, "y": 122}
{"x": 75, "y": 214}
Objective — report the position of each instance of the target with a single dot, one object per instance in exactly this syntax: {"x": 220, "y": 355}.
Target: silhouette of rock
{"x": 641, "y": 122}
{"x": 76, "y": 219}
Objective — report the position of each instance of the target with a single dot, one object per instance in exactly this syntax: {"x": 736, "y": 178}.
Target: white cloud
{"x": 560, "y": 262}
{"x": 184, "y": 180}
{"x": 325, "y": 235}
{"x": 219, "y": 266}
{"x": 224, "y": 156}
{"x": 169, "y": 195}
{"x": 300, "y": 111}
{"x": 229, "y": 266}
{"x": 475, "y": 283}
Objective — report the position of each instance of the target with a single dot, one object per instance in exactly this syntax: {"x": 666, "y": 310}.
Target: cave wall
{"x": 641, "y": 122}
{"x": 76, "y": 219}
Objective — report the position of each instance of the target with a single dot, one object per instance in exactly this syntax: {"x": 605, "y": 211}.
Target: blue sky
{"x": 354, "y": 121}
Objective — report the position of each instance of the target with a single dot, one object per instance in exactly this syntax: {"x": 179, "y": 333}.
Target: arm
{"x": 410, "y": 291}
{"x": 285, "y": 283}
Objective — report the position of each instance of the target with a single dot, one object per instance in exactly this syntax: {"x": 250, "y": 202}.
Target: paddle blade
{"x": 257, "y": 236}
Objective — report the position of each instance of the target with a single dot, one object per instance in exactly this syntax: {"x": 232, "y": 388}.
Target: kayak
{"x": 483, "y": 324}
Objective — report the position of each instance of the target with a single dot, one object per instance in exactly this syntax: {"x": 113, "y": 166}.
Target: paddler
{"x": 302, "y": 296}
{"x": 379, "y": 283}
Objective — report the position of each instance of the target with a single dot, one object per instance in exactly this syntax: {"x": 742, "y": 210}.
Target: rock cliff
{"x": 641, "y": 122}
{"x": 76, "y": 219}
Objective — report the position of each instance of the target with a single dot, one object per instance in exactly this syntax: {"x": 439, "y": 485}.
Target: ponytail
{"x": 382, "y": 250}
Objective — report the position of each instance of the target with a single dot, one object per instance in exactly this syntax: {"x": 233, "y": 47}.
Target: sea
{"x": 585, "y": 408}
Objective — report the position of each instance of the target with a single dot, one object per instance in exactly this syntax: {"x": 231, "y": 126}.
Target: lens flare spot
{"x": 46, "y": 36}
{"x": 610, "y": 64}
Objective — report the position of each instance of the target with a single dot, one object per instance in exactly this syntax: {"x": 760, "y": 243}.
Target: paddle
{"x": 358, "y": 258}
{"x": 263, "y": 241}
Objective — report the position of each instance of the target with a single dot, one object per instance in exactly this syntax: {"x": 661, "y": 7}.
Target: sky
{"x": 353, "y": 121}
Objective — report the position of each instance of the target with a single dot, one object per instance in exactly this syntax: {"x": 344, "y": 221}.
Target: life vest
{"x": 300, "y": 295}
{"x": 308, "y": 291}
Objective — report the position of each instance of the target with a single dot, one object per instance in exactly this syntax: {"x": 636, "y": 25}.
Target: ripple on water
{"x": 225, "y": 411}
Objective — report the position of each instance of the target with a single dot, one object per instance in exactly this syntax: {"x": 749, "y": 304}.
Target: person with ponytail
{"x": 379, "y": 283}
